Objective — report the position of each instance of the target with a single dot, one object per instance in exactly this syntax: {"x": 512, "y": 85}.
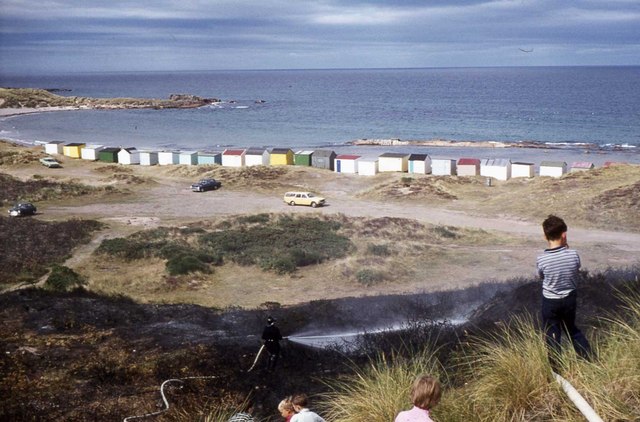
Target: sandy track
{"x": 170, "y": 204}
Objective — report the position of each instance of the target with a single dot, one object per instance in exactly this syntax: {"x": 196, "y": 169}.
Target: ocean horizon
{"x": 561, "y": 109}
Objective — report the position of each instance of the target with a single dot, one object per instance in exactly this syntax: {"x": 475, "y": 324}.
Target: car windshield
{"x": 310, "y": 195}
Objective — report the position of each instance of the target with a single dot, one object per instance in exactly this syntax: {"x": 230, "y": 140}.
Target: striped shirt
{"x": 242, "y": 417}
{"x": 558, "y": 268}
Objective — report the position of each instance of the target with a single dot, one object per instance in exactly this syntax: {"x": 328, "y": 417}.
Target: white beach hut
{"x": 148, "y": 158}
{"x": 520, "y": 169}
{"x": 128, "y": 156}
{"x": 189, "y": 158}
{"x": 443, "y": 166}
{"x": 256, "y": 157}
{"x": 498, "y": 168}
{"x": 368, "y": 166}
{"x": 90, "y": 152}
{"x": 393, "y": 161}
{"x": 166, "y": 158}
{"x": 346, "y": 163}
{"x": 581, "y": 166}
{"x": 54, "y": 147}
{"x": 419, "y": 164}
{"x": 233, "y": 157}
{"x": 468, "y": 167}
{"x": 209, "y": 158}
{"x": 553, "y": 168}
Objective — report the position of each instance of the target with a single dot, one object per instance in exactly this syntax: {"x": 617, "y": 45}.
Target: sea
{"x": 556, "y": 112}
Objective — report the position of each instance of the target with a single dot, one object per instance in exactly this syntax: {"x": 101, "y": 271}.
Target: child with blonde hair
{"x": 425, "y": 394}
{"x": 286, "y": 409}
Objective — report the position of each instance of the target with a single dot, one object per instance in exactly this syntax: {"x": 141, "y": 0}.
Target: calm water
{"x": 310, "y": 108}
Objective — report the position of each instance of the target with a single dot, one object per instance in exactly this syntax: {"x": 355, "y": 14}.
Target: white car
{"x": 50, "y": 162}
{"x": 303, "y": 198}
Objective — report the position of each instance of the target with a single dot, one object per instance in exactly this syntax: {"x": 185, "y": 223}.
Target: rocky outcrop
{"x": 41, "y": 98}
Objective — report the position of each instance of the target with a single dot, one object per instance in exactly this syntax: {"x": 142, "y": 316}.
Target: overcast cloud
{"x": 114, "y": 35}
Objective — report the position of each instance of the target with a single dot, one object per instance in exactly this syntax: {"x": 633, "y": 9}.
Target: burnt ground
{"x": 80, "y": 356}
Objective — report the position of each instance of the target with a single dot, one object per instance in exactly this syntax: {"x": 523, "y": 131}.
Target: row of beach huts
{"x": 497, "y": 168}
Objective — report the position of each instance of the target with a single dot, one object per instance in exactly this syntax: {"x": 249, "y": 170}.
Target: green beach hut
{"x": 109, "y": 155}
{"x": 302, "y": 158}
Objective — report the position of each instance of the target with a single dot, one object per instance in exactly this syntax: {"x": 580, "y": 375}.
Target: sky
{"x": 62, "y": 36}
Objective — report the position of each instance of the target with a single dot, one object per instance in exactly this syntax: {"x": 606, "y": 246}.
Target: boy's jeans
{"x": 559, "y": 315}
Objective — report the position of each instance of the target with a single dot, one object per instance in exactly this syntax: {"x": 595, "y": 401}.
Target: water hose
{"x": 164, "y": 398}
{"x": 577, "y": 399}
{"x": 257, "y": 357}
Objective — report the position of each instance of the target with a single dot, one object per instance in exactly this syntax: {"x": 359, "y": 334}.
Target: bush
{"x": 122, "y": 248}
{"x": 448, "y": 232}
{"x": 369, "y": 277}
{"x": 379, "y": 250}
{"x": 63, "y": 278}
{"x": 279, "y": 264}
{"x": 185, "y": 264}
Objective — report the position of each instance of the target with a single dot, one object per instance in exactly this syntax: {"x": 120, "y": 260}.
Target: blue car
{"x": 205, "y": 185}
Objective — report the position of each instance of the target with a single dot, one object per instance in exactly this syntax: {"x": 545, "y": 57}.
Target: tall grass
{"x": 377, "y": 391}
{"x": 611, "y": 384}
{"x": 504, "y": 376}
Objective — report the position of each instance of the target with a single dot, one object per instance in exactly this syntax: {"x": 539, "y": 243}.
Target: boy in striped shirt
{"x": 558, "y": 267}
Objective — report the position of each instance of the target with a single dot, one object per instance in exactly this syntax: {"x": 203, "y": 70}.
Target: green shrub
{"x": 122, "y": 248}
{"x": 63, "y": 278}
{"x": 185, "y": 264}
{"x": 448, "y": 232}
{"x": 280, "y": 264}
{"x": 379, "y": 250}
{"x": 406, "y": 180}
{"x": 369, "y": 277}
{"x": 254, "y": 219}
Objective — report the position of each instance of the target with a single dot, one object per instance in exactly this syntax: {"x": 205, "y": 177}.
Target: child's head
{"x": 554, "y": 227}
{"x": 286, "y": 407}
{"x": 425, "y": 392}
{"x": 299, "y": 401}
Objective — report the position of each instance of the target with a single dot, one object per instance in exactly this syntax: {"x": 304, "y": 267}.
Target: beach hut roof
{"x": 74, "y": 144}
{"x": 255, "y": 151}
{"x": 188, "y": 152}
{"x": 442, "y": 159}
{"x": 92, "y": 146}
{"x": 394, "y": 155}
{"x": 496, "y": 162}
{"x": 522, "y": 163}
{"x": 468, "y": 162}
{"x": 613, "y": 163}
{"x": 211, "y": 153}
{"x": 281, "y": 151}
{"x": 347, "y": 157}
{"x": 233, "y": 152}
{"x": 304, "y": 152}
{"x": 55, "y": 142}
{"x": 129, "y": 150}
{"x": 582, "y": 165}
{"x": 418, "y": 157}
{"x": 110, "y": 149}
{"x": 553, "y": 164}
{"x": 323, "y": 153}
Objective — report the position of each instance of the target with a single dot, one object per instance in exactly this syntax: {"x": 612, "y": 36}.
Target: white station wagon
{"x": 303, "y": 198}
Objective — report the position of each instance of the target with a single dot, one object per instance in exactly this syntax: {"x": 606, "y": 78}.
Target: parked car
{"x": 205, "y": 185}
{"x": 303, "y": 198}
{"x": 50, "y": 162}
{"x": 21, "y": 209}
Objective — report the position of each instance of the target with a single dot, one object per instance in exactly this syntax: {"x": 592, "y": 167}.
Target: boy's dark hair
{"x": 553, "y": 227}
{"x": 300, "y": 400}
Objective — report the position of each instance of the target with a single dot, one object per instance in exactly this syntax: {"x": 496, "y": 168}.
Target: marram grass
{"x": 378, "y": 391}
{"x": 504, "y": 377}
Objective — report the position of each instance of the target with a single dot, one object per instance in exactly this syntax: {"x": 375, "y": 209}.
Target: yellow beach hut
{"x": 73, "y": 150}
{"x": 281, "y": 157}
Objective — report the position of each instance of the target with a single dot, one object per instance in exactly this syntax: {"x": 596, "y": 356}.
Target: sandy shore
{"x": 6, "y": 112}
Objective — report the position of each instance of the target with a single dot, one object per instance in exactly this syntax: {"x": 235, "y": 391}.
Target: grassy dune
{"x": 504, "y": 376}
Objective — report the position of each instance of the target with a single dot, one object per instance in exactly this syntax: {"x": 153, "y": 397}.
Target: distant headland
{"x": 42, "y": 99}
